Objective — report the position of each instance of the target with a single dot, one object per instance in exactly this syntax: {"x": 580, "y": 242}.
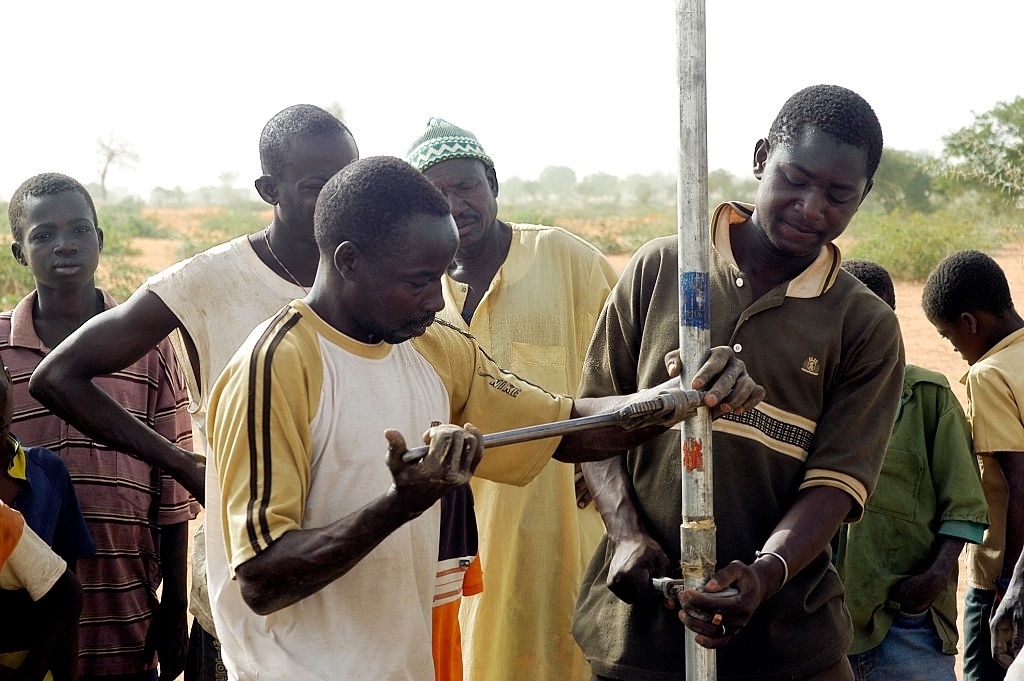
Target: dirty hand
{"x": 716, "y": 620}
{"x": 724, "y": 378}
{"x": 452, "y": 458}
{"x": 635, "y": 560}
{"x": 168, "y": 636}
{"x": 1007, "y": 627}
{"x": 915, "y": 594}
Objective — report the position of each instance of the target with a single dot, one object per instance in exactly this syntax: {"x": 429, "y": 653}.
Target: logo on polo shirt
{"x": 811, "y": 365}
{"x": 506, "y": 387}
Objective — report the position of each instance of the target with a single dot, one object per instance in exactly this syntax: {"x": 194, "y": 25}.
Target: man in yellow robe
{"x": 531, "y": 295}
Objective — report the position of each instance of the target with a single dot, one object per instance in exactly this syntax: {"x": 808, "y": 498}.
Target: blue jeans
{"x": 911, "y": 651}
{"x": 978, "y": 662}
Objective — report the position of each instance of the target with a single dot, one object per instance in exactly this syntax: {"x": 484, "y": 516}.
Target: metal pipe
{"x": 697, "y": 526}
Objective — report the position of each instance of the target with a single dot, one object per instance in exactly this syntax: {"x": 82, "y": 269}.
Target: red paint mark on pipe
{"x": 693, "y": 456}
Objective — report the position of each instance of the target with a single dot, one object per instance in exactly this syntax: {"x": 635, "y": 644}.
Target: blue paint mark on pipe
{"x": 694, "y": 302}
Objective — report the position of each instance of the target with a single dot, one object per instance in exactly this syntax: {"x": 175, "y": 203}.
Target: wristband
{"x": 785, "y": 566}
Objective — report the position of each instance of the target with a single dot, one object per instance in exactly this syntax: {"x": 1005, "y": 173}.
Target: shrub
{"x": 910, "y": 245}
{"x": 124, "y": 221}
{"x": 614, "y": 231}
{"x": 223, "y": 225}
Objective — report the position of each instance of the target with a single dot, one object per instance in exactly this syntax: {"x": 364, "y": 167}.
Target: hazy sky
{"x": 589, "y": 84}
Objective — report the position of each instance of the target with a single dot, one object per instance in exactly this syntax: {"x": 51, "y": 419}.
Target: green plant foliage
{"x": 222, "y": 226}
{"x": 909, "y": 245}
{"x": 122, "y": 222}
{"x": 989, "y": 153}
{"x": 15, "y": 279}
{"x": 724, "y": 186}
{"x": 903, "y": 181}
{"x": 614, "y": 229}
{"x": 532, "y": 214}
{"x": 121, "y": 277}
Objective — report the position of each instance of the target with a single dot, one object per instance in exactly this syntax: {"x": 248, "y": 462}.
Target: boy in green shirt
{"x": 899, "y": 563}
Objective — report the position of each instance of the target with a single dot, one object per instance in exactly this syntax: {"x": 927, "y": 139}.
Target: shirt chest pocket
{"x": 899, "y": 485}
{"x": 544, "y": 365}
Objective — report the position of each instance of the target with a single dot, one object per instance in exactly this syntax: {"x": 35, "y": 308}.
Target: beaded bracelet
{"x": 785, "y": 566}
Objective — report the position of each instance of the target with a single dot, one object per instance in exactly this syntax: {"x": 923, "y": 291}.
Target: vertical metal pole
{"x": 697, "y": 529}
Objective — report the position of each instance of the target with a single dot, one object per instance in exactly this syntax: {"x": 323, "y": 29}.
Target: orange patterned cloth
{"x": 11, "y": 527}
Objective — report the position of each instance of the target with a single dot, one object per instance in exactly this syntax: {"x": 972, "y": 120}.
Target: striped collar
{"x": 23, "y": 329}
{"x": 17, "y": 469}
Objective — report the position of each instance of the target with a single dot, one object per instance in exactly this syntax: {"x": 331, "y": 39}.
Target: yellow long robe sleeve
{"x": 536, "y": 320}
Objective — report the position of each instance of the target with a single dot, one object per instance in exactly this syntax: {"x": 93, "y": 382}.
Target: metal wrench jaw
{"x": 667, "y": 586}
{"x": 667, "y": 408}
{"x": 670, "y": 588}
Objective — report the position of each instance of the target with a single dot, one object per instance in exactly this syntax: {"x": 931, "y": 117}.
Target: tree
{"x": 228, "y": 179}
{"x": 600, "y": 187}
{"x": 724, "y": 186}
{"x": 336, "y": 110}
{"x": 161, "y": 196}
{"x": 516, "y": 190}
{"x": 558, "y": 181}
{"x": 989, "y": 154}
{"x": 902, "y": 181}
{"x": 655, "y": 189}
{"x": 113, "y": 151}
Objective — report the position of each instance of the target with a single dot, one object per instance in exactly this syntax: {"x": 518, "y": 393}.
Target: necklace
{"x": 266, "y": 238}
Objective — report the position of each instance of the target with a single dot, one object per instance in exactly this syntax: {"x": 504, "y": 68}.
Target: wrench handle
{"x": 630, "y": 416}
{"x": 517, "y": 435}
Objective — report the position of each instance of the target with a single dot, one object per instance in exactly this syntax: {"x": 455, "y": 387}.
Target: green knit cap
{"x": 442, "y": 141}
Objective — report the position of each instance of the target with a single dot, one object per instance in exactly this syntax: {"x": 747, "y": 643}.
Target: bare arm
{"x": 1012, "y": 464}
{"x": 728, "y": 385}
{"x": 916, "y": 593}
{"x": 636, "y": 556}
{"x": 58, "y": 648}
{"x": 107, "y": 343}
{"x": 170, "y": 626}
{"x": 799, "y": 537}
{"x": 1007, "y": 622}
{"x": 302, "y": 562}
